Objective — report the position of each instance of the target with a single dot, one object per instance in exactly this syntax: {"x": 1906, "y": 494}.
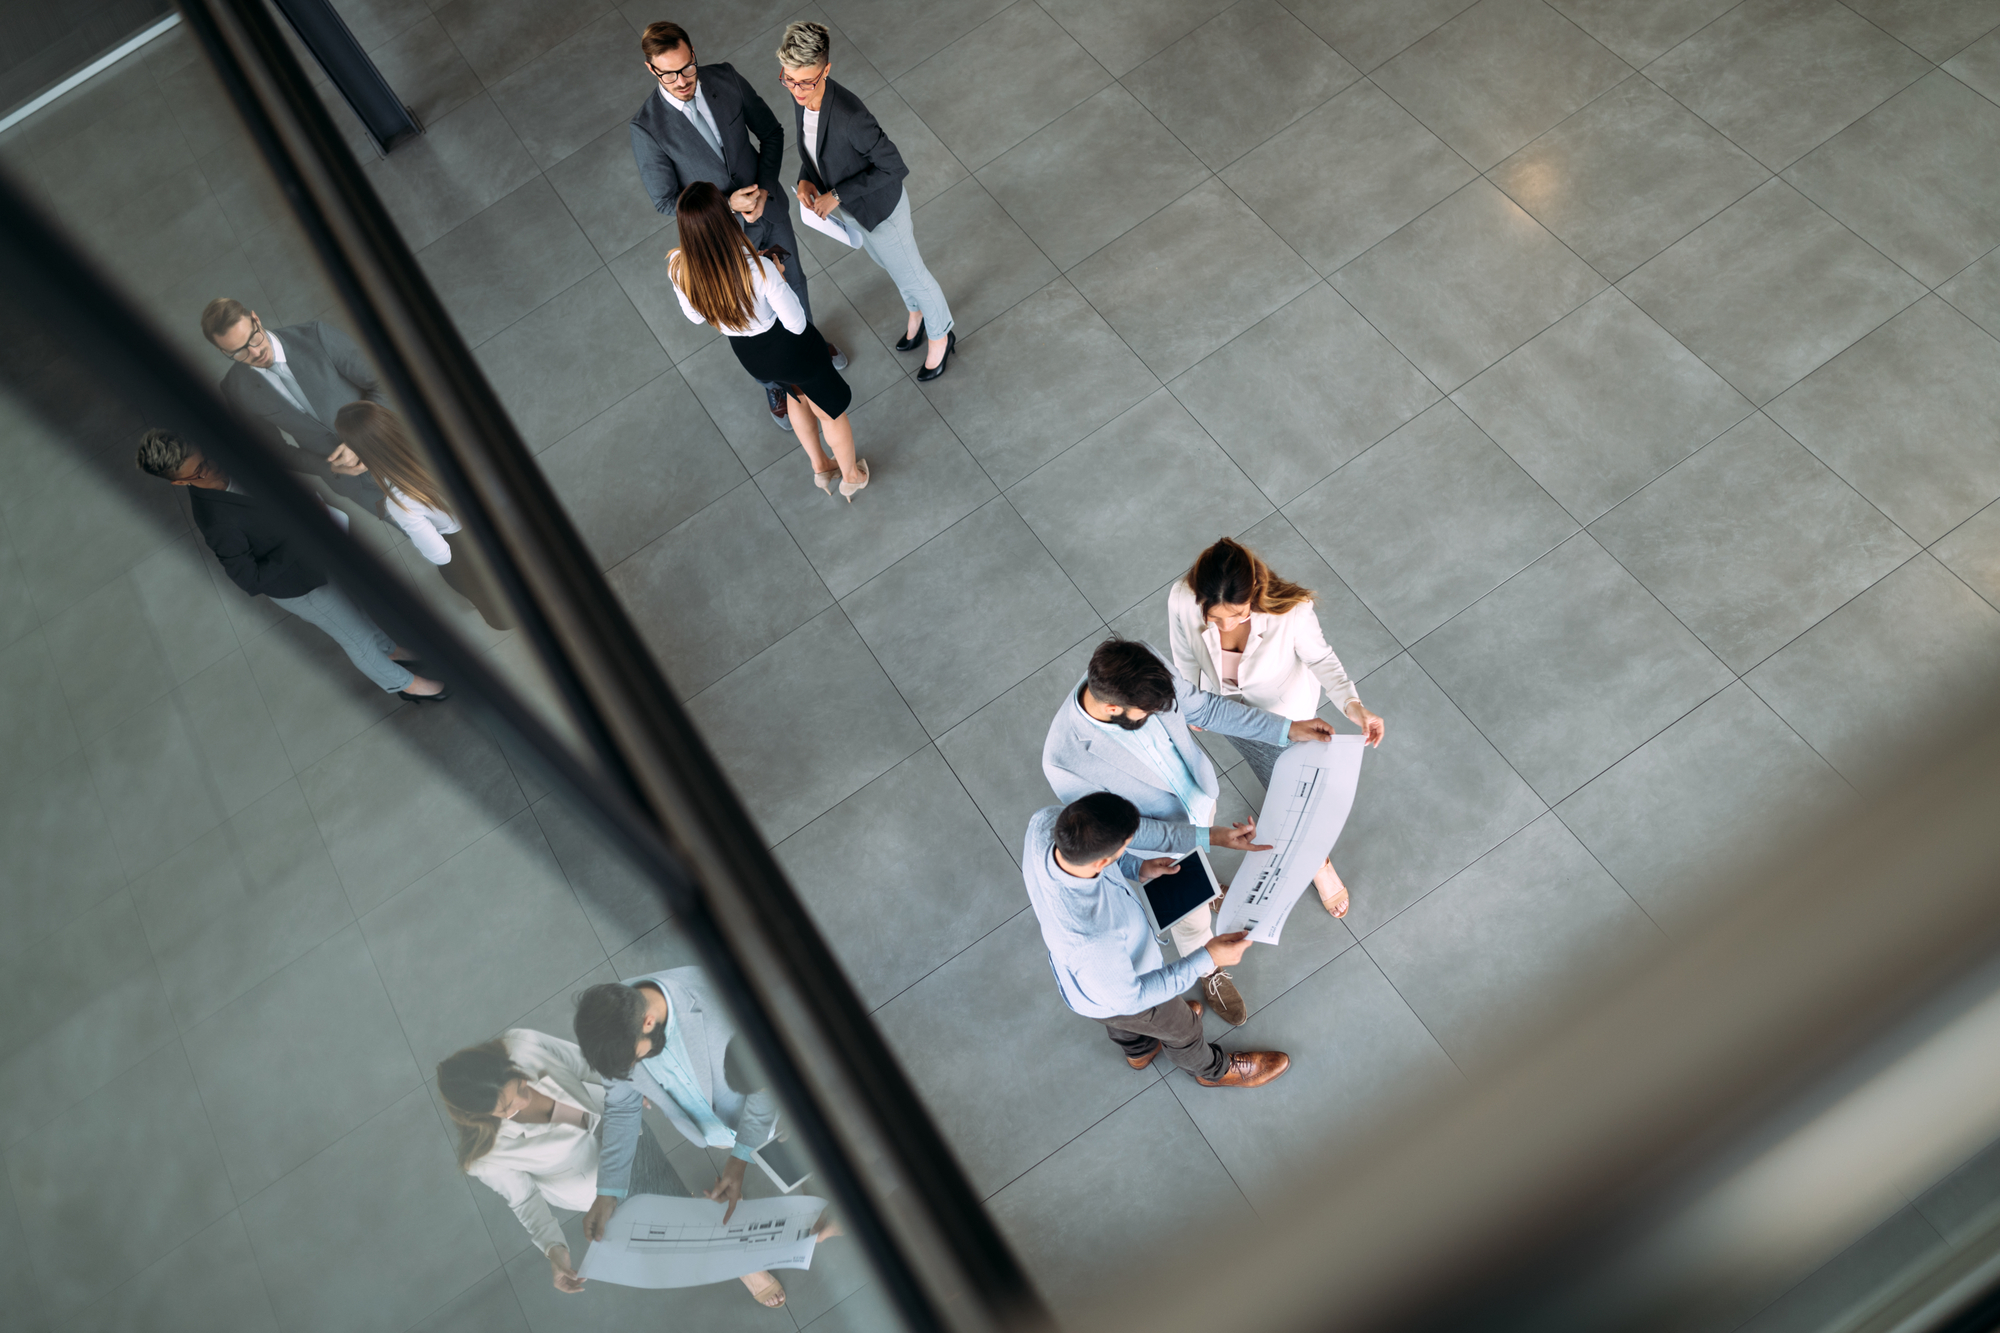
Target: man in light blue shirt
{"x": 1101, "y": 946}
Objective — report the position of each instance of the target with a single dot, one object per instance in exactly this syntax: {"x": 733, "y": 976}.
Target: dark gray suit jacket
{"x": 856, "y": 160}
{"x": 333, "y": 373}
{"x": 673, "y": 155}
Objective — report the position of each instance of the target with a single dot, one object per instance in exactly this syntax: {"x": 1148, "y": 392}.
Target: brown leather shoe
{"x": 1142, "y": 1061}
{"x": 1223, "y": 997}
{"x": 1249, "y": 1069}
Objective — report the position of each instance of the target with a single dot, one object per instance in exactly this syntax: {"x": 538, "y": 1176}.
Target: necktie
{"x": 698, "y": 113}
{"x": 290, "y": 384}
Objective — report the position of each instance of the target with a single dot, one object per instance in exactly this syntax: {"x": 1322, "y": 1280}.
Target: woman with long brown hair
{"x": 1237, "y": 629}
{"x": 722, "y": 280}
{"x": 416, "y": 503}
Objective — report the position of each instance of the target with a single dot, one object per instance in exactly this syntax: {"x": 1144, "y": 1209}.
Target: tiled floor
{"x": 1621, "y": 373}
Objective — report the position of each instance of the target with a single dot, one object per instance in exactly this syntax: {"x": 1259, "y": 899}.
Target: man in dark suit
{"x": 254, "y": 544}
{"x": 294, "y": 380}
{"x": 697, "y": 126}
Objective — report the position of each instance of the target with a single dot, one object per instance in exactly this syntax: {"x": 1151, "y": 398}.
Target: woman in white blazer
{"x": 527, "y": 1109}
{"x": 1238, "y": 630}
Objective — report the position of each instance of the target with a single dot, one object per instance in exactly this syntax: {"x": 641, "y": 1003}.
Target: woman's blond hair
{"x": 377, "y": 437}
{"x": 1230, "y": 574}
{"x": 713, "y": 267}
{"x": 469, "y": 1084}
{"x": 804, "y": 45}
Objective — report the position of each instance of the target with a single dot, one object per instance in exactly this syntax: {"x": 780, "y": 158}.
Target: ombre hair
{"x": 804, "y": 45}
{"x": 1230, "y": 574}
{"x": 469, "y": 1084}
{"x": 713, "y": 268}
{"x": 377, "y": 437}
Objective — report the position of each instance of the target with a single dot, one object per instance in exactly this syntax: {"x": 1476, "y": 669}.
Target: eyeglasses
{"x": 256, "y": 333}
{"x": 803, "y": 85}
{"x": 671, "y": 75}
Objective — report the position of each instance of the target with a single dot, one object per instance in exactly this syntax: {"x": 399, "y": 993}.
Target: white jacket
{"x": 533, "y": 1166}
{"x": 1285, "y": 663}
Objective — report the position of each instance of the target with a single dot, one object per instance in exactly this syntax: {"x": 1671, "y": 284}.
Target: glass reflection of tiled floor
{"x": 1621, "y": 374}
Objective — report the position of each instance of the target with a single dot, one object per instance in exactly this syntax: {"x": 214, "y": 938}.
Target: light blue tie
{"x": 291, "y": 383}
{"x": 698, "y": 113}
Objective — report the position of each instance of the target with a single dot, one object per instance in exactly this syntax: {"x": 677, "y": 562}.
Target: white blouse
{"x": 773, "y": 301}
{"x": 1283, "y": 667}
{"x": 425, "y": 525}
{"x": 533, "y": 1166}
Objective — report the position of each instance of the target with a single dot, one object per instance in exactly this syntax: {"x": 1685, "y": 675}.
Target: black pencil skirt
{"x": 800, "y": 362}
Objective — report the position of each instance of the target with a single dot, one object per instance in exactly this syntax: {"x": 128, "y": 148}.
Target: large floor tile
{"x": 1368, "y": 32}
{"x": 57, "y": 853}
{"x": 317, "y": 699}
{"x": 161, "y": 1167}
{"x": 1121, "y": 34}
{"x": 894, "y": 37}
{"x": 487, "y": 1306}
{"x": 922, "y": 481}
{"x": 1499, "y": 74}
{"x": 1728, "y": 782}
{"x": 1346, "y": 176}
{"x": 209, "y": 1283}
{"x": 732, "y": 571}
{"x": 295, "y": 1063}
{"x": 1091, "y": 175}
{"x": 1934, "y": 30}
{"x": 234, "y": 733}
{"x": 1105, "y": 522}
{"x": 1886, "y": 672}
{"x": 1976, "y": 293}
{"x": 1159, "y": 287}
{"x": 390, "y": 1199}
{"x": 176, "y": 590}
{"x": 980, "y": 117}
{"x": 1049, "y": 372}
{"x": 736, "y": 405}
{"x": 1124, "y": 1188}
{"x": 423, "y": 65}
{"x": 1901, "y": 415}
{"x": 1428, "y": 521}
{"x": 642, "y": 271}
{"x": 1627, "y": 176}
{"x": 961, "y": 651}
{"x": 1769, "y": 290}
{"x": 599, "y": 184}
{"x": 1639, "y": 30}
{"x": 406, "y": 796}
{"x": 1466, "y": 283}
{"x": 1972, "y": 551}
{"x": 1258, "y": 69}
{"x": 1571, "y": 666}
{"x": 620, "y": 903}
{"x": 1433, "y": 798}
{"x": 1751, "y": 541}
{"x": 239, "y": 903}
{"x": 1918, "y": 177}
{"x": 1781, "y": 77}
{"x": 997, "y": 752}
{"x": 980, "y": 257}
{"x": 562, "y": 100}
{"x": 1537, "y": 918}
{"x": 463, "y": 163}
{"x": 1063, "y": 1073}
{"x": 128, "y": 515}
{"x": 1358, "y": 1056}
{"x": 1601, "y": 404}
{"x": 643, "y": 465}
{"x": 1978, "y": 65}
{"x": 480, "y": 939}
{"x": 150, "y": 772}
{"x": 501, "y": 263}
{"x": 103, "y": 662}
{"x": 498, "y": 37}
{"x": 851, "y": 866}
{"x": 571, "y": 358}
{"x": 35, "y": 717}
{"x": 772, "y": 724}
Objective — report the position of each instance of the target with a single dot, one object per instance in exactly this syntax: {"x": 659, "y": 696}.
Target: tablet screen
{"x": 1173, "y": 896}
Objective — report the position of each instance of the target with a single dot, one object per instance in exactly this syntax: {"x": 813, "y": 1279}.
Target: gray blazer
{"x": 333, "y": 373}
{"x": 1080, "y": 759}
{"x": 706, "y": 1029}
{"x": 856, "y": 160}
{"x": 673, "y": 155}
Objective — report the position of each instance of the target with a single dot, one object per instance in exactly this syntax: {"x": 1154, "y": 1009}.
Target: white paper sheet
{"x": 1312, "y": 789}
{"x": 653, "y": 1240}
{"x": 834, "y": 224}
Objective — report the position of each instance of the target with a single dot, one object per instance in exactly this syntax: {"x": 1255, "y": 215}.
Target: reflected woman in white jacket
{"x": 1237, "y": 629}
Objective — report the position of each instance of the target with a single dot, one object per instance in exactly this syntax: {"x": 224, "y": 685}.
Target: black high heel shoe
{"x": 929, "y": 373}
{"x": 914, "y": 341}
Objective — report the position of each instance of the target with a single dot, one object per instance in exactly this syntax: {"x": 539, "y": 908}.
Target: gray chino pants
{"x": 1175, "y": 1027}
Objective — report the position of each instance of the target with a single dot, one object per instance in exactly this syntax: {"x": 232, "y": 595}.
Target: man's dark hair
{"x": 162, "y": 453}
{"x": 610, "y": 1019}
{"x": 661, "y": 37}
{"x": 1131, "y": 675}
{"x": 1093, "y": 827}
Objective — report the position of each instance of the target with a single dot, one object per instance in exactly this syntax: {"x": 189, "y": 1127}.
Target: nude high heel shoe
{"x": 1332, "y": 893}
{"x": 849, "y": 488}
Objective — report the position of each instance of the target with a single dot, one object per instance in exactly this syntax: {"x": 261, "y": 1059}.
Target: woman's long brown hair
{"x": 714, "y": 267}
{"x": 377, "y": 437}
{"x": 469, "y": 1083}
{"x": 1230, "y": 574}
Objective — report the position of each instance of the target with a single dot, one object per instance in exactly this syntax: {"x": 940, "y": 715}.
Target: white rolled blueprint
{"x": 654, "y": 1240}
{"x": 835, "y": 224}
{"x": 1305, "y": 808}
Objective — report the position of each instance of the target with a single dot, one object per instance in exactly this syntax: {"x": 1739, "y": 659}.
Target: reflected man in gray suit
{"x": 697, "y": 126}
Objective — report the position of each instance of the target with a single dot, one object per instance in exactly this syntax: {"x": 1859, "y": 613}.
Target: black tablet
{"x": 1171, "y": 897}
